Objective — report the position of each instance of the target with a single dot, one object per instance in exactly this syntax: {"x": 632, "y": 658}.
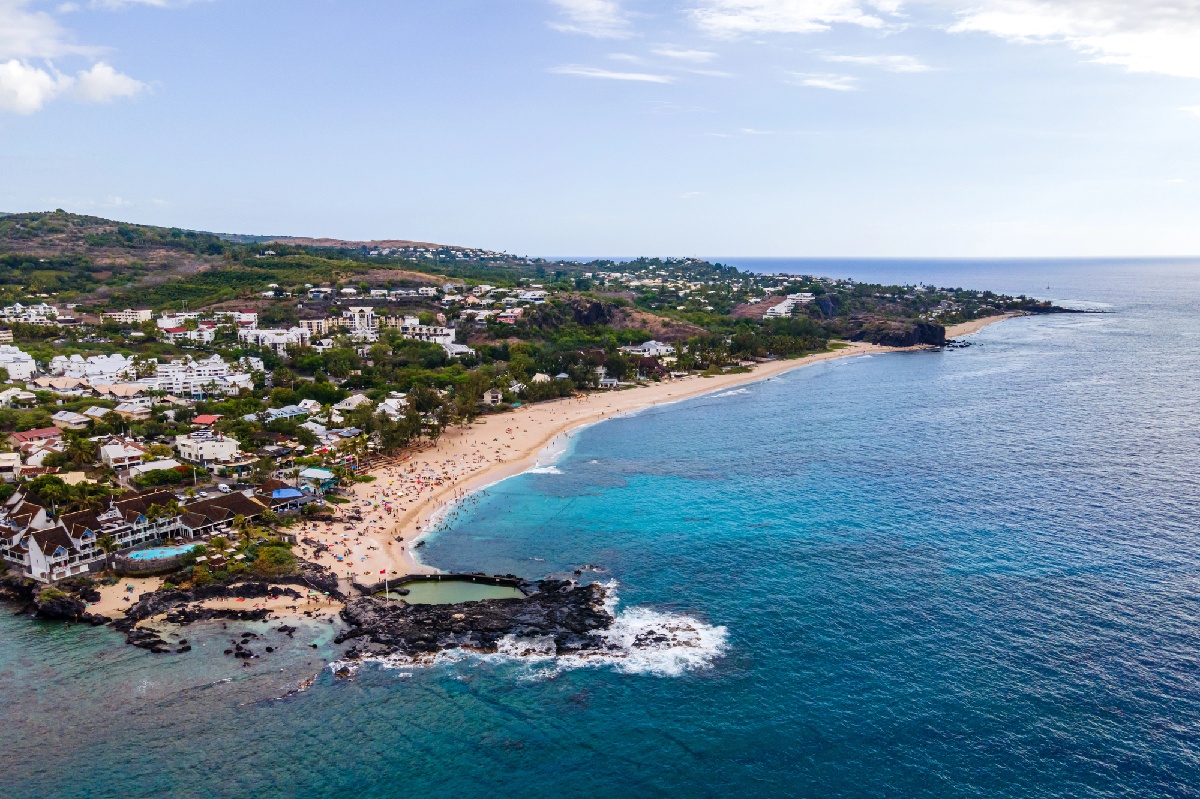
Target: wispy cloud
{"x": 1156, "y": 36}
{"x": 607, "y": 74}
{"x": 736, "y": 17}
{"x": 833, "y": 82}
{"x": 695, "y": 56}
{"x": 891, "y": 63}
{"x": 601, "y": 19}
{"x": 26, "y": 33}
{"x": 1194, "y": 110}
{"x": 1148, "y": 36}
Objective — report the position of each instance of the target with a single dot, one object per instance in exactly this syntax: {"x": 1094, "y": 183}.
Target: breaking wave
{"x": 733, "y": 391}
{"x": 639, "y": 641}
{"x": 545, "y": 470}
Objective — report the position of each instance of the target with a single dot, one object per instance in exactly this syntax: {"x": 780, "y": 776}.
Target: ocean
{"x": 970, "y": 572}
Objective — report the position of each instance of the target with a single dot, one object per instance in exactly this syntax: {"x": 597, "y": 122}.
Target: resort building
{"x": 39, "y": 314}
{"x": 785, "y": 308}
{"x": 361, "y": 323}
{"x": 187, "y": 377}
{"x": 40, "y": 547}
{"x": 102, "y": 369}
{"x": 318, "y": 328}
{"x": 277, "y": 340}
{"x": 129, "y": 316}
{"x": 206, "y": 448}
{"x": 20, "y": 365}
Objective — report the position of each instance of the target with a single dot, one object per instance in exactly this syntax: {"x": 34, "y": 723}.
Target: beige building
{"x": 129, "y": 316}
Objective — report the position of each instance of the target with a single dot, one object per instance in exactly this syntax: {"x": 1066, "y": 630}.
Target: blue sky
{"x": 618, "y": 127}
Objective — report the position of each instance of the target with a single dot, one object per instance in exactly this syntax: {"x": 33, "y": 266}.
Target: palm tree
{"x": 107, "y": 545}
{"x": 244, "y": 530}
{"x": 81, "y": 451}
{"x": 55, "y": 493}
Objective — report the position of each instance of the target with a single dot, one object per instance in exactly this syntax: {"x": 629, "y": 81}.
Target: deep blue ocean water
{"x": 938, "y": 574}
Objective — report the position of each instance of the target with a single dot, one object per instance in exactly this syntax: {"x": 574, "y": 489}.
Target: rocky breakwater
{"x": 181, "y": 606}
{"x": 555, "y": 617}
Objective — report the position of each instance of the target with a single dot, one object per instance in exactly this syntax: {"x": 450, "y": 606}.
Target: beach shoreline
{"x": 975, "y": 325}
{"x": 529, "y": 432}
{"x": 408, "y": 498}
{"x": 414, "y": 527}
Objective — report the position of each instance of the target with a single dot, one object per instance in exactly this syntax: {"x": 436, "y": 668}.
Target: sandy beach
{"x": 406, "y": 499}
{"x": 975, "y": 325}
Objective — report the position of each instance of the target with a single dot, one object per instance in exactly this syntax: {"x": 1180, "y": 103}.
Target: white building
{"x": 174, "y": 335}
{"x": 120, "y": 453}
{"x": 785, "y": 308}
{"x": 650, "y": 349}
{"x": 95, "y": 369}
{"x": 352, "y": 402}
{"x": 207, "y": 448}
{"x": 277, "y": 340}
{"x": 20, "y": 365}
{"x": 187, "y": 377}
{"x": 395, "y": 406}
{"x": 362, "y": 323}
{"x": 165, "y": 465}
{"x": 39, "y": 314}
{"x": 170, "y": 319}
{"x": 129, "y": 316}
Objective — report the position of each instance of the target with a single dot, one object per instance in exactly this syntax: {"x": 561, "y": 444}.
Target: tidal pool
{"x": 451, "y": 592}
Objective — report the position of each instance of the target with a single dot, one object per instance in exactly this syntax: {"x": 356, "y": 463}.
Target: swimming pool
{"x": 160, "y": 552}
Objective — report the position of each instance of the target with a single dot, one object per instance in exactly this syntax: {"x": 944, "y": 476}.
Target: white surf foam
{"x": 545, "y": 470}
{"x": 639, "y": 641}
{"x": 732, "y": 392}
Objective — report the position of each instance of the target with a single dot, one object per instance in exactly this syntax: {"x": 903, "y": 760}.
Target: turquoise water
{"x": 939, "y": 574}
{"x": 160, "y": 552}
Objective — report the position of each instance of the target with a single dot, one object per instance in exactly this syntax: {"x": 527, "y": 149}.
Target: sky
{"x": 872, "y": 128}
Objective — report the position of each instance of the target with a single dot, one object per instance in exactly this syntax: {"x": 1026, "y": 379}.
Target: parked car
{"x": 202, "y": 493}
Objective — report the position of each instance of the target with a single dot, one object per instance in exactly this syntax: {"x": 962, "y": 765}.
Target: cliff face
{"x": 901, "y": 333}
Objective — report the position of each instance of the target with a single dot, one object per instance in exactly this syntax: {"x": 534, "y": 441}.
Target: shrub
{"x": 201, "y": 576}
{"x": 273, "y": 561}
{"x": 50, "y": 593}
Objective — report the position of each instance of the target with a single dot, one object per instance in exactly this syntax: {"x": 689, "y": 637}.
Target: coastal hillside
{"x": 96, "y": 265}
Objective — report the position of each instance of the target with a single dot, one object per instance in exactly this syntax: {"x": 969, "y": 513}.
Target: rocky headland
{"x": 556, "y": 614}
